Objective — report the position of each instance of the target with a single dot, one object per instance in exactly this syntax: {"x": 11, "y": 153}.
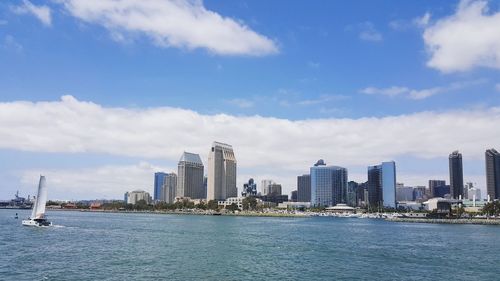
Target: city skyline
{"x": 98, "y": 102}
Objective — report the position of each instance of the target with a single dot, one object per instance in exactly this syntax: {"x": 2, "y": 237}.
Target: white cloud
{"x": 366, "y": 31}
{"x": 42, "y": 13}
{"x": 323, "y": 99}
{"x": 419, "y": 94}
{"x": 173, "y": 23}
{"x": 467, "y": 39}
{"x": 241, "y": 103}
{"x": 423, "y": 20}
{"x": 10, "y": 43}
{"x": 263, "y": 146}
{"x": 105, "y": 182}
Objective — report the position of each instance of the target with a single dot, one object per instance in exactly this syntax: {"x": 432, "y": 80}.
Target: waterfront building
{"x": 328, "y": 184}
{"x": 273, "y": 198}
{"x": 293, "y": 196}
{"x": 456, "y": 175}
{"x": 474, "y": 193}
{"x": 382, "y": 185}
{"x": 294, "y": 205}
{"x": 125, "y": 197}
{"x": 190, "y": 176}
{"x": 304, "y": 188}
{"x": 492, "y": 174}
{"x": 404, "y": 193}
{"x": 432, "y": 186}
{"x": 419, "y": 193}
{"x": 169, "y": 188}
{"x": 249, "y": 189}
{"x": 138, "y": 195}
{"x": 158, "y": 183}
{"x": 221, "y": 172}
{"x": 360, "y": 194}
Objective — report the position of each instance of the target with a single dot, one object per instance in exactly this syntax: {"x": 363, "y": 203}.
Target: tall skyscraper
{"x": 328, "y": 184}
{"x": 433, "y": 184}
{"x": 456, "y": 175}
{"x": 221, "y": 172}
{"x": 159, "y": 178}
{"x": 169, "y": 188}
{"x": 190, "y": 176}
{"x": 382, "y": 185}
{"x": 304, "y": 188}
{"x": 492, "y": 173}
{"x": 265, "y": 186}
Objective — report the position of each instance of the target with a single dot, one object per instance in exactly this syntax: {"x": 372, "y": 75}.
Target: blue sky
{"x": 294, "y": 61}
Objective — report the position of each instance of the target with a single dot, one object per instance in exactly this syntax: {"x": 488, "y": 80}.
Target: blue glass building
{"x": 328, "y": 184}
{"x": 382, "y": 185}
{"x": 158, "y": 184}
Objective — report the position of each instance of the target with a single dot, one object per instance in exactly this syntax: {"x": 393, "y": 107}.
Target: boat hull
{"x": 37, "y": 223}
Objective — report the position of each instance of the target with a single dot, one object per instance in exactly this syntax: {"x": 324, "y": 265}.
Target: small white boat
{"x": 37, "y": 217}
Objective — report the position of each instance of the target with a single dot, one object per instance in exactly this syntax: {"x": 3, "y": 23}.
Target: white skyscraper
{"x": 221, "y": 172}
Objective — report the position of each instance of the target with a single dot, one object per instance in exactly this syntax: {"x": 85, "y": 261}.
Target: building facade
{"x": 190, "y": 176}
{"x": 492, "y": 174}
{"x": 221, "y": 172}
{"x": 404, "y": 193}
{"x": 433, "y": 184}
{"x": 328, "y": 184}
{"x": 169, "y": 188}
{"x": 456, "y": 175}
{"x": 264, "y": 186}
{"x": 304, "y": 188}
{"x": 158, "y": 183}
{"x": 138, "y": 195}
{"x": 382, "y": 185}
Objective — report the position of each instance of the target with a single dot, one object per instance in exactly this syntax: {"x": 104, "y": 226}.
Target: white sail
{"x": 41, "y": 199}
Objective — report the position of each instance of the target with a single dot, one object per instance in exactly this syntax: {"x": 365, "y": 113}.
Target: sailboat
{"x": 37, "y": 217}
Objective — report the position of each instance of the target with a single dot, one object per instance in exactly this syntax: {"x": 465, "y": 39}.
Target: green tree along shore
{"x": 248, "y": 204}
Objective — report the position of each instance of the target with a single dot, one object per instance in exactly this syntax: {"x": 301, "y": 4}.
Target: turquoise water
{"x": 97, "y": 246}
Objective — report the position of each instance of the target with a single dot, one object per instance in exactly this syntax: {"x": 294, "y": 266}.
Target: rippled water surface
{"x": 98, "y": 246}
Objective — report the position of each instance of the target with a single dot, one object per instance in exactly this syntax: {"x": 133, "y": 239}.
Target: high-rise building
{"x": 492, "y": 173}
{"x": 351, "y": 194}
{"x": 433, "y": 184}
{"x": 221, "y": 172}
{"x": 265, "y": 186}
{"x": 249, "y": 188}
{"x": 304, "y": 188}
{"x": 456, "y": 175}
{"x": 419, "y": 193}
{"x": 404, "y": 193}
{"x": 382, "y": 185}
{"x": 274, "y": 189}
{"x": 293, "y": 196}
{"x": 159, "y": 178}
{"x": 169, "y": 188}
{"x": 190, "y": 176}
{"x": 328, "y": 184}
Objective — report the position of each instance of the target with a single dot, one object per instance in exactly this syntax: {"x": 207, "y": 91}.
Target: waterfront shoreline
{"x": 447, "y": 221}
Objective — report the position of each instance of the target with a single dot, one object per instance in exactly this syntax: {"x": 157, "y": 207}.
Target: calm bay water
{"x": 97, "y": 246}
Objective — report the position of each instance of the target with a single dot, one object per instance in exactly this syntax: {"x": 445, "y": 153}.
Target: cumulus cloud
{"x": 41, "y": 12}
{"x": 173, "y": 23}
{"x": 70, "y": 125}
{"x": 105, "y": 182}
{"x": 469, "y": 38}
{"x": 265, "y": 146}
{"x": 419, "y": 94}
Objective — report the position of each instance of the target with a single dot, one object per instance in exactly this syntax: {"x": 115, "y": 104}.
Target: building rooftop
{"x": 191, "y": 157}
